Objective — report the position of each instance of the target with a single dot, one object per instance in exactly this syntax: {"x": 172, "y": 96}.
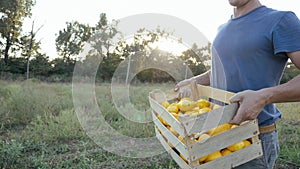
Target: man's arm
{"x": 252, "y": 102}
{"x": 203, "y": 79}
{"x": 288, "y": 92}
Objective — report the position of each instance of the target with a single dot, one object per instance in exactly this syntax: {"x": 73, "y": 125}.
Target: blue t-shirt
{"x": 249, "y": 53}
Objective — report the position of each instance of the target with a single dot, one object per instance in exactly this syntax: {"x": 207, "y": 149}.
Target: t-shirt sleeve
{"x": 286, "y": 35}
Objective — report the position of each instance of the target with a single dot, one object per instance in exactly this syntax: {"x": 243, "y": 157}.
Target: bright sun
{"x": 170, "y": 45}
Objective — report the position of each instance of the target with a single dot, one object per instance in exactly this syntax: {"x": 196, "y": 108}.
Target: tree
{"x": 17, "y": 65}
{"x": 62, "y": 67}
{"x": 70, "y": 40}
{"x": 40, "y": 65}
{"x": 140, "y": 49}
{"x": 104, "y": 32}
{"x": 30, "y": 46}
{"x": 12, "y": 14}
{"x": 197, "y": 58}
{"x": 102, "y": 43}
{"x": 142, "y": 41}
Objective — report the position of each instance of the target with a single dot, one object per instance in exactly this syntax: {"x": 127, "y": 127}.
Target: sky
{"x": 206, "y": 16}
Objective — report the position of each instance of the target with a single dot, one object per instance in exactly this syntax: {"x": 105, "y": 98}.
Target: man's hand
{"x": 250, "y": 103}
{"x": 203, "y": 79}
{"x": 180, "y": 85}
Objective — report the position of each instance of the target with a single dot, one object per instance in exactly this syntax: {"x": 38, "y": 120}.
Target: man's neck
{"x": 242, "y": 10}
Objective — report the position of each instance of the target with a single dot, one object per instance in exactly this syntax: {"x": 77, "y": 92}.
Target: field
{"x": 39, "y": 128}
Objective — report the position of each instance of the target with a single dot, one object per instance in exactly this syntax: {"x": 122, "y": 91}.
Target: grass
{"x": 289, "y": 135}
{"x": 39, "y": 128}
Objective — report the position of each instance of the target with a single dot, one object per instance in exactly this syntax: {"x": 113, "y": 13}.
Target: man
{"x": 249, "y": 55}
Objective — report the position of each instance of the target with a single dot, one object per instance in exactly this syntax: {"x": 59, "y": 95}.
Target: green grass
{"x": 289, "y": 134}
{"x": 39, "y": 128}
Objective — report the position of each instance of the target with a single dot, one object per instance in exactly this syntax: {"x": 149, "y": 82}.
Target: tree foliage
{"x": 104, "y": 32}
{"x": 290, "y": 72}
{"x": 40, "y": 65}
{"x": 136, "y": 54}
{"x": 198, "y": 59}
{"x": 71, "y": 39}
{"x": 12, "y": 14}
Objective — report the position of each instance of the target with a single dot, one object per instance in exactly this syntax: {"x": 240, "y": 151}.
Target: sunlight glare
{"x": 170, "y": 45}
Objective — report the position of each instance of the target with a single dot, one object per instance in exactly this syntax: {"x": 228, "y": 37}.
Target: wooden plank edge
{"x": 194, "y": 90}
{"x": 223, "y": 140}
{"x": 211, "y": 119}
{"x": 173, "y": 154}
{"x": 171, "y": 137}
{"x": 214, "y": 93}
{"x": 170, "y": 119}
{"x": 235, "y": 159}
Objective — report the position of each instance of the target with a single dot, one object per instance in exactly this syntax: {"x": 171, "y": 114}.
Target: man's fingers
{"x": 176, "y": 89}
{"x": 237, "y": 119}
{"x": 181, "y": 84}
{"x": 183, "y": 94}
{"x": 235, "y": 99}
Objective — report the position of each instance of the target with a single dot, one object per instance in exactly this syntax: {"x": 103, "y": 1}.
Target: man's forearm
{"x": 203, "y": 79}
{"x": 287, "y": 92}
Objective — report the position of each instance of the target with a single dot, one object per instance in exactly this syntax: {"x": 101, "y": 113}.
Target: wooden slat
{"x": 255, "y": 139}
{"x": 226, "y": 162}
{"x": 171, "y": 120}
{"x": 206, "y": 121}
{"x": 173, "y": 154}
{"x": 234, "y": 159}
{"x": 247, "y": 154}
{"x": 223, "y": 140}
{"x": 171, "y": 95}
{"x": 214, "y": 93}
{"x": 170, "y": 137}
{"x": 158, "y": 95}
{"x": 194, "y": 90}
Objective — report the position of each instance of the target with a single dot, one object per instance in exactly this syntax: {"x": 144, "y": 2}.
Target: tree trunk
{"x": 29, "y": 54}
{"x": 7, "y": 47}
{"x": 27, "y": 68}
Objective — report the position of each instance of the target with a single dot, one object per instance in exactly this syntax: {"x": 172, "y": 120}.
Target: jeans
{"x": 270, "y": 148}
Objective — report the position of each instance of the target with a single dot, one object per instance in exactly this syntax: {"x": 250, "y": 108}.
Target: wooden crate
{"x": 187, "y": 126}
